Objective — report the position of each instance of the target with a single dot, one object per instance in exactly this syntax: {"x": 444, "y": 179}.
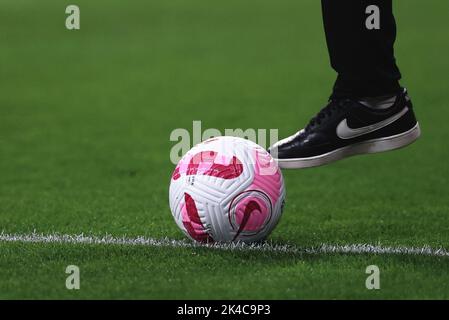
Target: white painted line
{"x": 264, "y": 247}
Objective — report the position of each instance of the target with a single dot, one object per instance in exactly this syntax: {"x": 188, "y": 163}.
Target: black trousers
{"x": 362, "y": 56}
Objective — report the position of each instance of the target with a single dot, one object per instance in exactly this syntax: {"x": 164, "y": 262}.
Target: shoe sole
{"x": 365, "y": 147}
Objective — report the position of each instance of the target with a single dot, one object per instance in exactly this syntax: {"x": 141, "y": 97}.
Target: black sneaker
{"x": 345, "y": 128}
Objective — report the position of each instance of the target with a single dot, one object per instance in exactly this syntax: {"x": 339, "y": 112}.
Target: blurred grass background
{"x": 85, "y": 119}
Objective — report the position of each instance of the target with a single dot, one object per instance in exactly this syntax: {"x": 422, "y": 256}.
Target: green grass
{"x": 85, "y": 119}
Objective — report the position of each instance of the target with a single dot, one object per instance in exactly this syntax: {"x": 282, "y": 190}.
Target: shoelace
{"x": 327, "y": 111}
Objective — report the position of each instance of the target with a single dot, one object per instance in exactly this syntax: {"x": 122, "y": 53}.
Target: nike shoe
{"x": 345, "y": 128}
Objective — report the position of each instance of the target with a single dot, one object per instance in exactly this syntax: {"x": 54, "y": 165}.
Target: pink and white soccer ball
{"x": 227, "y": 189}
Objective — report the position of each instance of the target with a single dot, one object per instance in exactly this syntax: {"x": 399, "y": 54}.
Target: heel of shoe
{"x": 389, "y": 143}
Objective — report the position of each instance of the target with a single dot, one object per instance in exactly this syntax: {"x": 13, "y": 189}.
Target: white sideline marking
{"x": 264, "y": 247}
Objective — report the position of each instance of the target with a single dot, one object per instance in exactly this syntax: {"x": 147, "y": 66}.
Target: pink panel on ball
{"x": 251, "y": 213}
{"x": 267, "y": 176}
{"x": 192, "y": 221}
{"x": 209, "y": 163}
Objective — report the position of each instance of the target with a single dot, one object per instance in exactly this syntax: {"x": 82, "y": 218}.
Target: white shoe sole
{"x": 364, "y": 147}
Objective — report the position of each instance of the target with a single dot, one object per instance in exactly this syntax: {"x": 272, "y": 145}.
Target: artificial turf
{"x": 85, "y": 120}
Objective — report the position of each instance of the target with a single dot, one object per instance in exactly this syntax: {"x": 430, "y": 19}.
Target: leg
{"x": 368, "y": 111}
{"x": 364, "y": 59}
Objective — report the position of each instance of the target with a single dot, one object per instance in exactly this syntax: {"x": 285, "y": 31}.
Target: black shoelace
{"x": 333, "y": 106}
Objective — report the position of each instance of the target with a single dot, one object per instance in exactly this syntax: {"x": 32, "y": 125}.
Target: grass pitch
{"x": 85, "y": 119}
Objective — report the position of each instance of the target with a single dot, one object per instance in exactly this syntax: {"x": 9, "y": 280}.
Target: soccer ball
{"x": 227, "y": 189}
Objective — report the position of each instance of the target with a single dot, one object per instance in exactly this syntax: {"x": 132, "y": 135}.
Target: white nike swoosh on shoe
{"x": 345, "y": 132}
